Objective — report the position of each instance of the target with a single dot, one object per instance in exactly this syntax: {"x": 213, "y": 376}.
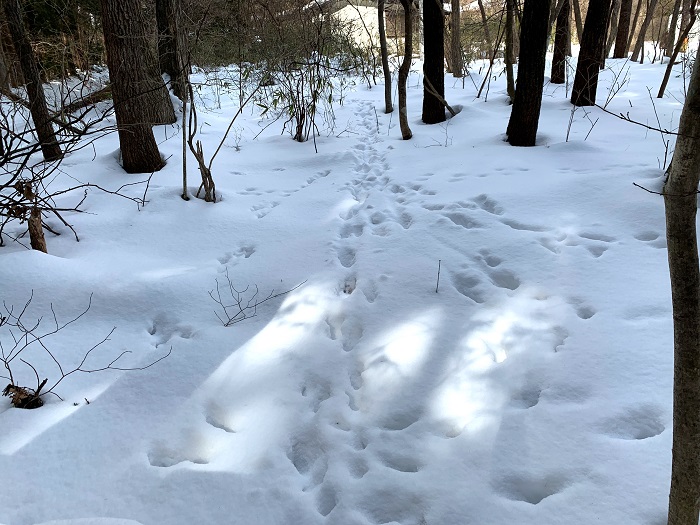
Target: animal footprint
{"x": 652, "y": 238}
{"x": 530, "y": 489}
{"x": 635, "y": 423}
{"x": 347, "y": 256}
{"x": 488, "y": 204}
{"x": 164, "y": 327}
{"x": 468, "y": 285}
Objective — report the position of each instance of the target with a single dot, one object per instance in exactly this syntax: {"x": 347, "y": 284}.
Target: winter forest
{"x": 349, "y": 262}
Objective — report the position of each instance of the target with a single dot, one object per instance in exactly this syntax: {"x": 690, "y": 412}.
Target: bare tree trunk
{"x": 509, "y": 52}
{"x": 614, "y": 21}
{"x": 671, "y": 37}
{"x": 456, "y": 41}
{"x": 36, "y": 231}
{"x": 485, "y": 24}
{"x": 592, "y": 45}
{"x": 561, "y": 44}
{"x": 623, "y": 29}
{"x": 681, "y": 202}
{"x": 639, "y": 46}
{"x": 35, "y": 90}
{"x": 677, "y": 49}
{"x": 4, "y": 73}
{"x": 388, "y": 106}
{"x": 685, "y": 15}
{"x": 129, "y": 59}
{"x": 525, "y": 114}
{"x": 405, "y": 67}
{"x": 172, "y": 44}
{"x": 434, "y": 62}
{"x": 578, "y": 19}
{"x": 633, "y": 27}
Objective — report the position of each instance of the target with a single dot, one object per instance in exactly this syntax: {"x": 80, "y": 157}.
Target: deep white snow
{"x": 533, "y": 388}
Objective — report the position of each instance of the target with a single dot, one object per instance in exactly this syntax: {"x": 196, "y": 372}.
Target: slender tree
{"x": 578, "y": 19}
{"x": 639, "y": 46}
{"x": 509, "y": 51}
{"x": 561, "y": 44}
{"x": 172, "y": 44}
{"x": 127, "y": 43}
{"x": 671, "y": 37}
{"x": 589, "y": 57}
{"x": 35, "y": 90}
{"x": 455, "y": 40}
{"x": 405, "y": 67}
{"x": 434, "y": 62}
{"x": 525, "y": 114}
{"x": 623, "y": 28}
{"x": 680, "y": 199}
{"x": 388, "y": 106}
{"x": 614, "y": 21}
{"x": 633, "y": 25}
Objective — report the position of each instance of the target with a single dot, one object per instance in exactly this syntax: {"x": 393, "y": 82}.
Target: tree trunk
{"x": 434, "y": 62}
{"x": 456, "y": 41}
{"x": 685, "y": 16}
{"x": 388, "y": 106}
{"x": 671, "y": 36}
{"x": 405, "y": 67}
{"x": 578, "y": 19}
{"x": 633, "y": 26}
{"x": 36, "y": 231}
{"x": 525, "y": 114}
{"x": 509, "y": 52}
{"x": 561, "y": 44}
{"x": 639, "y": 46}
{"x": 129, "y": 59}
{"x": 4, "y": 73}
{"x": 614, "y": 21}
{"x": 35, "y": 90}
{"x": 592, "y": 45}
{"x": 172, "y": 44}
{"x": 677, "y": 49}
{"x": 623, "y": 29}
{"x": 485, "y": 24}
{"x": 680, "y": 199}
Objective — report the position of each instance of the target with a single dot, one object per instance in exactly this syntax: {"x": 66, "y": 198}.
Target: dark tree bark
{"x": 680, "y": 199}
{"x": 172, "y": 45}
{"x": 35, "y": 91}
{"x": 561, "y": 44}
{"x": 388, "y": 106}
{"x": 509, "y": 51}
{"x": 639, "y": 46}
{"x": 4, "y": 72}
{"x": 614, "y": 21}
{"x": 129, "y": 59}
{"x": 456, "y": 41}
{"x": 578, "y": 19}
{"x": 434, "y": 62}
{"x": 525, "y": 115}
{"x": 405, "y": 67}
{"x": 589, "y": 57}
{"x": 623, "y": 29}
{"x": 671, "y": 37}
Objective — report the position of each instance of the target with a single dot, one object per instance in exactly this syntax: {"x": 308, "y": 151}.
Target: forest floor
{"x": 530, "y": 386}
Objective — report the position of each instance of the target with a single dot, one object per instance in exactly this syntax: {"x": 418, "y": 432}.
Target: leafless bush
{"x": 236, "y": 305}
{"x": 21, "y": 338}
{"x": 29, "y": 186}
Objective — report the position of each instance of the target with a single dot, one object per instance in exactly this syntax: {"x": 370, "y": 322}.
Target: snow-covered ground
{"x": 533, "y": 388}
